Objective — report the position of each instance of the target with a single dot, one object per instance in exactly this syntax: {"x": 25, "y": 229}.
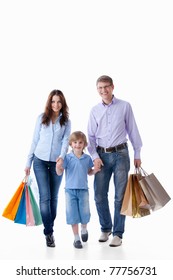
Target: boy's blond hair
{"x": 76, "y": 135}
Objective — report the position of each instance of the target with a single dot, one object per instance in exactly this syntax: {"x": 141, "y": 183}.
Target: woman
{"x": 49, "y": 145}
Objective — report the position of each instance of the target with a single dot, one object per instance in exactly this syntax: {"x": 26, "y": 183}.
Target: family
{"x": 110, "y": 123}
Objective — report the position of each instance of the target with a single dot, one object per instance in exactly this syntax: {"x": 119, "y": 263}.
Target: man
{"x": 110, "y": 123}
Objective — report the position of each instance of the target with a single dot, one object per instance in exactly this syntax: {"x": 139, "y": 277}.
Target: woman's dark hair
{"x": 47, "y": 115}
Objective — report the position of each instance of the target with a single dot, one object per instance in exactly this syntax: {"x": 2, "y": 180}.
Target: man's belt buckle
{"x": 108, "y": 152}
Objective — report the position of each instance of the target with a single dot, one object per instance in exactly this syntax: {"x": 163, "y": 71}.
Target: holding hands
{"x": 59, "y": 166}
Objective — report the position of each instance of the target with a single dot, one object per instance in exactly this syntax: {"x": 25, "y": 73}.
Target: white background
{"x": 67, "y": 45}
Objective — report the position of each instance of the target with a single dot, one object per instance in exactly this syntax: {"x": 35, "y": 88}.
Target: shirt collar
{"x": 73, "y": 155}
{"x": 112, "y": 102}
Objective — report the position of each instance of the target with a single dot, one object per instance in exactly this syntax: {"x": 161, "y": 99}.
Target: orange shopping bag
{"x": 12, "y": 207}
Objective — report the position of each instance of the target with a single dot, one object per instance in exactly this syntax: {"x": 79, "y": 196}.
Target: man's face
{"x": 105, "y": 90}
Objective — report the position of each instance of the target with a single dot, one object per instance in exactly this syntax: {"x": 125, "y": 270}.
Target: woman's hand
{"x": 59, "y": 166}
{"x": 27, "y": 171}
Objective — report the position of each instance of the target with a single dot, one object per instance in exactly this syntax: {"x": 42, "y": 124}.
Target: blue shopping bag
{"x": 21, "y": 212}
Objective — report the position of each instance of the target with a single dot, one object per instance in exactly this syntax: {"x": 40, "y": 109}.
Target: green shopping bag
{"x": 35, "y": 208}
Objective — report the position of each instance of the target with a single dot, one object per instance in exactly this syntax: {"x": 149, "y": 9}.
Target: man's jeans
{"x": 118, "y": 164}
{"x": 48, "y": 184}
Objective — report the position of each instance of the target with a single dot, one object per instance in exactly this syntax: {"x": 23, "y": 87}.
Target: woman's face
{"x": 56, "y": 104}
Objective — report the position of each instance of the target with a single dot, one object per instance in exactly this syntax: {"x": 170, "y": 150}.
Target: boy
{"x": 77, "y": 166}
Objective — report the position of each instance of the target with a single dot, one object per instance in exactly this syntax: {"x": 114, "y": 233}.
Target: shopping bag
{"x": 12, "y": 207}
{"x": 35, "y": 208}
{"x": 126, "y": 208}
{"x": 140, "y": 197}
{"x": 21, "y": 211}
{"x": 154, "y": 191}
{"x": 135, "y": 203}
{"x": 23, "y": 208}
{"x": 140, "y": 205}
{"x": 30, "y": 221}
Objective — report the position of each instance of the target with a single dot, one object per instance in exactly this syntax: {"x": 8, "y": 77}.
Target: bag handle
{"x": 140, "y": 171}
{"x": 144, "y": 172}
{"x": 27, "y": 179}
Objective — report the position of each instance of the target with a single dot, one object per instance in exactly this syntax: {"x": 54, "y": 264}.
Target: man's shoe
{"x": 50, "y": 241}
{"x": 84, "y": 236}
{"x": 104, "y": 236}
{"x": 116, "y": 241}
{"x": 77, "y": 244}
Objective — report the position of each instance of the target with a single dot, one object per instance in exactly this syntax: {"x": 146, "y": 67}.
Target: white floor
{"x": 147, "y": 243}
{"x": 145, "y": 238}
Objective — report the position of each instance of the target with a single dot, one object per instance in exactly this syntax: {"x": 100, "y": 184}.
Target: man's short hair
{"x": 104, "y": 78}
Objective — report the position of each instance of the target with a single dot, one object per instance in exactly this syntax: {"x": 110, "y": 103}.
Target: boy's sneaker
{"x": 84, "y": 236}
{"x": 77, "y": 244}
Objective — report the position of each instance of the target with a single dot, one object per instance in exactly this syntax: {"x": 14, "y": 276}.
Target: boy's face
{"x": 78, "y": 145}
{"x": 105, "y": 90}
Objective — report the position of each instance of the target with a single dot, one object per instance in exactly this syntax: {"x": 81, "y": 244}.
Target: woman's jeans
{"x": 48, "y": 184}
{"x": 118, "y": 164}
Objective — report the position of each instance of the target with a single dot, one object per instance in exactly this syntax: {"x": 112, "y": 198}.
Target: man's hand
{"x": 98, "y": 163}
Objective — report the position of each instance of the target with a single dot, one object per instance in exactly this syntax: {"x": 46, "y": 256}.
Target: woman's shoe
{"x": 50, "y": 241}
